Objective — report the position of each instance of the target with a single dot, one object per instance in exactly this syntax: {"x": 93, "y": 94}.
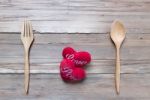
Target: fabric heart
{"x": 67, "y": 51}
{"x": 80, "y": 59}
{"x": 70, "y": 73}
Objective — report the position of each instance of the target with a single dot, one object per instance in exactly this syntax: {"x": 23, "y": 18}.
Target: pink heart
{"x": 80, "y": 59}
{"x": 69, "y": 72}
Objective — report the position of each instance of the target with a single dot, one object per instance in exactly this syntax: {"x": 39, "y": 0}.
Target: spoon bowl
{"x": 117, "y": 33}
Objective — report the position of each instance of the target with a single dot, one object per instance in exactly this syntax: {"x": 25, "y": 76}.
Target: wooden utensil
{"x": 27, "y": 39}
{"x": 117, "y": 35}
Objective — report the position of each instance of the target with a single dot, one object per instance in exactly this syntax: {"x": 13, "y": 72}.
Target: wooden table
{"x": 84, "y": 25}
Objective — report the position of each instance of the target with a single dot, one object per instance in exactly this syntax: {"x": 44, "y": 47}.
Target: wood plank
{"x": 71, "y": 16}
{"x": 77, "y": 17}
{"x": 95, "y": 87}
{"x": 46, "y": 52}
{"x": 53, "y": 51}
{"x": 16, "y": 65}
{"x": 100, "y": 46}
{"x": 78, "y": 39}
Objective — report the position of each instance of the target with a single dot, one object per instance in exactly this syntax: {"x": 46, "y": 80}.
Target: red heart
{"x": 69, "y": 72}
{"x": 67, "y": 51}
{"x": 80, "y": 59}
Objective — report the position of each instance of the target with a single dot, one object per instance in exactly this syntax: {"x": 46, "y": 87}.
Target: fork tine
{"x": 30, "y": 29}
{"x": 25, "y": 27}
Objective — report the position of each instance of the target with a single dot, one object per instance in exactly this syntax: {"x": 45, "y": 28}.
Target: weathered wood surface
{"x": 51, "y": 19}
{"x": 47, "y": 48}
{"x": 95, "y": 87}
{"x": 86, "y": 16}
{"x": 99, "y": 85}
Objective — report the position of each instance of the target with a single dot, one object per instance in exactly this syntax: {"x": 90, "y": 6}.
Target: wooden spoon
{"x": 117, "y": 34}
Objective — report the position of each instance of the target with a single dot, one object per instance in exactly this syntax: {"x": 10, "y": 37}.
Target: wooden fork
{"x": 27, "y": 39}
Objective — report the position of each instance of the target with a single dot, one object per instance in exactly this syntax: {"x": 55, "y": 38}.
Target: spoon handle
{"x": 117, "y": 74}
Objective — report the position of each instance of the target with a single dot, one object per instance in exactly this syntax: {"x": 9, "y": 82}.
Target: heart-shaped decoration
{"x": 70, "y": 73}
{"x": 67, "y": 51}
{"x": 80, "y": 59}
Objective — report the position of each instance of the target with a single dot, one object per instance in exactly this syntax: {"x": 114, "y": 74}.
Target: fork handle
{"x": 117, "y": 74}
{"x": 26, "y": 72}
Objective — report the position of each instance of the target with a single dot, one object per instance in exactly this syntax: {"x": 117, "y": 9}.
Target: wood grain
{"x": 47, "y": 48}
{"x": 95, "y": 87}
{"x": 61, "y": 23}
{"x": 71, "y": 16}
{"x": 45, "y": 80}
{"x": 100, "y": 46}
